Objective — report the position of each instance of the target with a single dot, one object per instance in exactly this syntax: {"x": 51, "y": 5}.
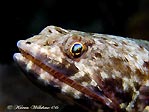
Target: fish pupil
{"x": 76, "y": 50}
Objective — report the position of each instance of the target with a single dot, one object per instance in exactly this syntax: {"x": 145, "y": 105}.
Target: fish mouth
{"x": 29, "y": 55}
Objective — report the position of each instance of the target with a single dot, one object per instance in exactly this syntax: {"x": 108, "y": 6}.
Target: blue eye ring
{"x": 77, "y": 49}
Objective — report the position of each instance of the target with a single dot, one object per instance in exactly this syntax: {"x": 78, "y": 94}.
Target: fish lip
{"x": 19, "y": 42}
{"x": 15, "y": 56}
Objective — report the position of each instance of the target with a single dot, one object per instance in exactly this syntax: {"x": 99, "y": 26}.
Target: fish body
{"x": 103, "y": 70}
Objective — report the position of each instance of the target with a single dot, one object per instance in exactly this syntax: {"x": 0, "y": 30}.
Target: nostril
{"x": 50, "y": 31}
{"x": 28, "y": 42}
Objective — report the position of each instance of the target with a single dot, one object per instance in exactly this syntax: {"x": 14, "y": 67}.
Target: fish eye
{"x": 76, "y": 49}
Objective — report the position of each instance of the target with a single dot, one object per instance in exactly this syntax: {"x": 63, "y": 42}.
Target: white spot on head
{"x": 78, "y": 75}
{"x": 77, "y": 94}
{"x": 84, "y": 84}
{"x": 43, "y": 76}
{"x": 29, "y": 65}
{"x": 147, "y": 83}
{"x": 55, "y": 53}
{"x": 53, "y": 49}
{"x": 34, "y": 49}
{"x": 115, "y": 74}
{"x": 18, "y": 57}
{"x": 46, "y": 76}
{"x": 64, "y": 88}
{"x": 71, "y": 91}
{"x": 43, "y": 50}
{"x": 93, "y": 83}
{"x": 84, "y": 67}
{"x": 125, "y": 83}
{"x": 104, "y": 75}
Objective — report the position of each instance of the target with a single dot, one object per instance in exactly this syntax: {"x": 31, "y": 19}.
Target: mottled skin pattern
{"x": 111, "y": 66}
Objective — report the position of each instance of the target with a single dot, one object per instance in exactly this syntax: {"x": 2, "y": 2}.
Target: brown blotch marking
{"x": 97, "y": 54}
{"x": 146, "y": 64}
{"x": 144, "y": 95}
{"x": 114, "y": 90}
{"x": 118, "y": 65}
{"x": 60, "y": 30}
{"x": 65, "y": 67}
{"x": 141, "y": 76}
{"x": 136, "y": 85}
{"x": 71, "y": 70}
{"x": 124, "y": 42}
{"x": 115, "y": 44}
{"x": 107, "y": 88}
{"x": 104, "y": 38}
{"x": 76, "y": 38}
{"x": 144, "y": 90}
{"x": 89, "y": 42}
{"x": 85, "y": 78}
{"x": 46, "y": 43}
{"x": 49, "y": 42}
{"x": 126, "y": 60}
{"x": 116, "y": 60}
{"x": 141, "y": 47}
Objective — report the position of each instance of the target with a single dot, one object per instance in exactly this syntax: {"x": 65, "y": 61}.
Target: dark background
{"x": 21, "y": 19}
